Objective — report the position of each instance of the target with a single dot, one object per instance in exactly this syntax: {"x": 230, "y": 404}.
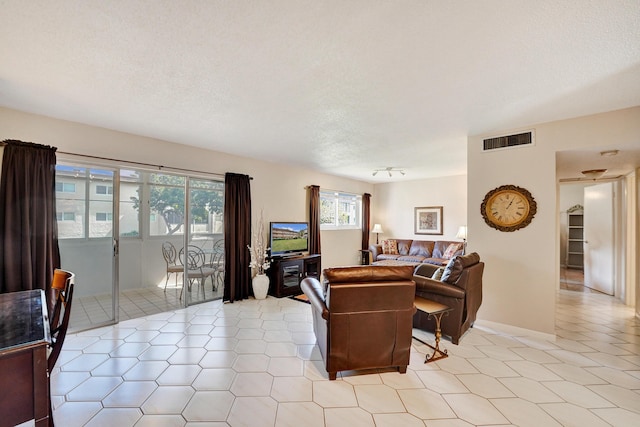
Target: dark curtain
{"x": 237, "y": 237}
{"x": 314, "y": 219}
{"x": 366, "y": 220}
{"x": 28, "y": 229}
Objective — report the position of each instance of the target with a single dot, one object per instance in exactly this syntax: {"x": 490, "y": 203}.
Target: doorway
{"x": 572, "y": 279}
{"x": 583, "y": 247}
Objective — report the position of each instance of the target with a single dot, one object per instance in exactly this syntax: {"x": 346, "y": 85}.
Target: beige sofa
{"x": 414, "y": 251}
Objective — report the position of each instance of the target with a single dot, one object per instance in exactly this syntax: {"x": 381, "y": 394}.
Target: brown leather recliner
{"x": 460, "y": 288}
{"x": 362, "y": 317}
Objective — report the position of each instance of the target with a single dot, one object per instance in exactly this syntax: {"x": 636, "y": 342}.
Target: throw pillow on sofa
{"x": 390, "y": 247}
{"x": 437, "y": 275}
{"x": 451, "y": 250}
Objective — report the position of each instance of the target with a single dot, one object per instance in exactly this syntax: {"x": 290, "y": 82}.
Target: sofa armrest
{"x": 314, "y": 291}
{"x": 471, "y": 283}
{"x": 471, "y": 278}
{"x": 428, "y": 285}
{"x": 375, "y": 251}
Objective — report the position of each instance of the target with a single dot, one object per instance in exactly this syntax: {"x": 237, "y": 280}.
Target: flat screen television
{"x": 288, "y": 238}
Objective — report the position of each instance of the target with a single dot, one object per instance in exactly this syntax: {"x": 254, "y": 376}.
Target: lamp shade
{"x": 377, "y": 229}
{"x": 462, "y": 232}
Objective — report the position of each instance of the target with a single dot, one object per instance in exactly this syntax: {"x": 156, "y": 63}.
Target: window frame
{"x": 108, "y": 190}
{"x": 138, "y": 180}
{"x": 338, "y": 197}
{"x": 65, "y": 216}
{"x": 108, "y": 217}
{"x": 64, "y": 187}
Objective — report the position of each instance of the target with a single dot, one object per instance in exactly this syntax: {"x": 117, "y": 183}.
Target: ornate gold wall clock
{"x": 508, "y": 208}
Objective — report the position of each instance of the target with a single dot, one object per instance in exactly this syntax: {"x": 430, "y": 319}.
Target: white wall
{"x": 279, "y": 189}
{"x": 633, "y": 237}
{"x": 393, "y": 206}
{"x": 522, "y": 267}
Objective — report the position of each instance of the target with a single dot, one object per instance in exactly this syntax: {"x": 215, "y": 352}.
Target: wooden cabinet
{"x": 575, "y": 240}
{"x": 24, "y": 384}
{"x": 285, "y": 274}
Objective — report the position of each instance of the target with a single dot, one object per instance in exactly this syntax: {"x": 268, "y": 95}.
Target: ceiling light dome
{"x": 593, "y": 173}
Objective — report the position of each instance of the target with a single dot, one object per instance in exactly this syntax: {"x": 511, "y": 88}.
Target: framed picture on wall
{"x": 428, "y": 220}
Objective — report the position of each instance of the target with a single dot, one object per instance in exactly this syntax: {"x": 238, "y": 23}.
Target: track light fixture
{"x": 388, "y": 170}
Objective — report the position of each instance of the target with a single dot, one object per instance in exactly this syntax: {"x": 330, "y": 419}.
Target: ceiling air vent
{"x": 508, "y": 141}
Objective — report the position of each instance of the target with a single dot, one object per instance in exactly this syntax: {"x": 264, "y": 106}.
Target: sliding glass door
{"x": 87, "y": 236}
{"x": 114, "y": 225}
{"x": 194, "y": 233}
{"x": 206, "y": 239}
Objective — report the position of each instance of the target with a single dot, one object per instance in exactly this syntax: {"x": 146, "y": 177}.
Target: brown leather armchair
{"x": 460, "y": 288}
{"x": 362, "y": 316}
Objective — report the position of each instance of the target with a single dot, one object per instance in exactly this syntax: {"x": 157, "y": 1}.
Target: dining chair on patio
{"x": 197, "y": 268}
{"x": 217, "y": 263}
{"x": 169, "y": 253}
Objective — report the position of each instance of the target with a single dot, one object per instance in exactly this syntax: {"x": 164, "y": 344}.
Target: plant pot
{"x": 260, "y": 285}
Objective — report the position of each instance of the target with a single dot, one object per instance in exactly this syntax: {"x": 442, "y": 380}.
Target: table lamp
{"x": 462, "y": 234}
{"x": 377, "y": 229}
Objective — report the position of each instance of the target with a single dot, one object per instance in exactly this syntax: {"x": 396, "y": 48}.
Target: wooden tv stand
{"x": 286, "y": 273}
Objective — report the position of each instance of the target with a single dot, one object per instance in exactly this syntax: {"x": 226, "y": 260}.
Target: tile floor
{"x": 89, "y": 311}
{"x": 572, "y": 279}
{"x": 254, "y": 363}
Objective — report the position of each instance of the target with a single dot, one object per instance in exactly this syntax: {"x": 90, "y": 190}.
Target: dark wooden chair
{"x": 62, "y": 294}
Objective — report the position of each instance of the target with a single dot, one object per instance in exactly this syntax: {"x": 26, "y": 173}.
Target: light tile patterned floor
{"x": 89, "y": 311}
{"x": 254, "y": 363}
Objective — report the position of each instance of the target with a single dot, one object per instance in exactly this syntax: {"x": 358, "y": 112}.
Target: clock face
{"x": 508, "y": 208}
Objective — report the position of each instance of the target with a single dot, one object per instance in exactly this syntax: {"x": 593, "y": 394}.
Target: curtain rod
{"x": 16, "y": 142}
{"x": 329, "y": 190}
{"x": 159, "y": 167}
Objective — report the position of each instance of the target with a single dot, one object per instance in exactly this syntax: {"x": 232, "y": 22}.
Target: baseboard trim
{"x": 514, "y": 330}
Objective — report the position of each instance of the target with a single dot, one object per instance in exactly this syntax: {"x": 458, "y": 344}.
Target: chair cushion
{"x": 435, "y": 261}
{"x": 382, "y": 257}
{"x": 390, "y": 246}
{"x": 410, "y": 258}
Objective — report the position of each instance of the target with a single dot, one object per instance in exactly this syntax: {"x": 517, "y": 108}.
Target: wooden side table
{"x": 436, "y": 310}
{"x": 364, "y": 256}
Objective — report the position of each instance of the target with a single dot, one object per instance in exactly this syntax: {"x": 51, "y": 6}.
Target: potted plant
{"x": 259, "y": 261}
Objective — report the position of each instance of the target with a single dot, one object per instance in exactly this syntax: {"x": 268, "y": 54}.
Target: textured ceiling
{"x": 339, "y": 86}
